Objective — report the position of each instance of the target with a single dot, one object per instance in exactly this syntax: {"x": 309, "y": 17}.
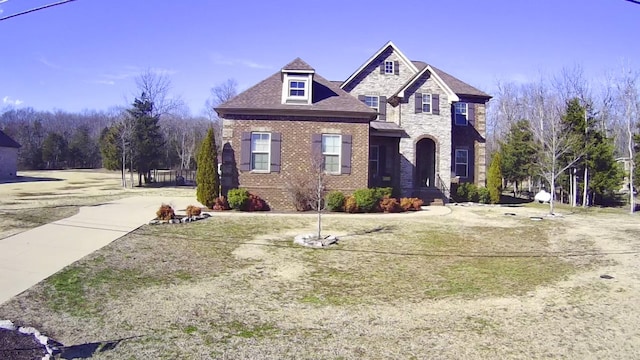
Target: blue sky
{"x": 86, "y": 54}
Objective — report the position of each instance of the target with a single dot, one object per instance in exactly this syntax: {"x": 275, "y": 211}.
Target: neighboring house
{"x": 393, "y": 122}
{"x": 8, "y": 156}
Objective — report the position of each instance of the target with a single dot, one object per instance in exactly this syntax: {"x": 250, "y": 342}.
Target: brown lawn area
{"x": 469, "y": 283}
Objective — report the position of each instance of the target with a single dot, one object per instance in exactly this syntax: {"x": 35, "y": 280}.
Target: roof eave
{"x": 366, "y": 116}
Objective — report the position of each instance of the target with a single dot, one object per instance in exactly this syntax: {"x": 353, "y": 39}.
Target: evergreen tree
{"x": 147, "y": 139}
{"x": 207, "y": 177}
{"x": 54, "y": 150}
{"x": 494, "y": 180}
{"x": 83, "y": 150}
{"x": 518, "y": 153}
{"x": 606, "y": 173}
{"x": 110, "y": 148}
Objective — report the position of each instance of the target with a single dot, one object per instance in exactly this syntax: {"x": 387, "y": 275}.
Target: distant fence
{"x": 174, "y": 177}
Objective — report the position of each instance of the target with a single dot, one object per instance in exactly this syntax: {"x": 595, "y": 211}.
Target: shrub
{"x": 335, "y": 201}
{"x": 484, "y": 195}
{"x": 300, "y": 191}
{"x": 255, "y": 203}
{"x": 365, "y": 199}
{"x": 238, "y": 198}
{"x": 350, "y": 205}
{"x": 416, "y": 204}
{"x": 390, "y": 205}
{"x": 467, "y": 192}
{"x": 382, "y": 192}
{"x": 165, "y": 212}
{"x": 220, "y": 204}
{"x": 411, "y": 204}
{"x": 193, "y": 210}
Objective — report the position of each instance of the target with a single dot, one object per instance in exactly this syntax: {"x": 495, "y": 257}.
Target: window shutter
{"x": 471, "y": 113}
{"x": 418, "y": 103}
{"x": 316, "y": 147}
{"x": 396, "y": 68}
{"x": 245, "y": 152}
{"x": 276, "y": 146}
{"x": 382, "y": 103}
{"x": 382, "y": 68}
{"x": 435, "y": 104}
{"x": 361, "y": 98}
{"x": 346, "y": 154}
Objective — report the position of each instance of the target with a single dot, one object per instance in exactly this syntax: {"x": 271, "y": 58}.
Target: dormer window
{"x": 297, "y": 88}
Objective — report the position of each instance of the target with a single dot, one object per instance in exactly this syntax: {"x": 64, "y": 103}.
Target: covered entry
{"x": 425, "y": 163}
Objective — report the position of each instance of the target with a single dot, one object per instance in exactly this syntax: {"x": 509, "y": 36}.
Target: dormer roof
{"x": 328, "y": 99}
{"x": 298, "y": 65}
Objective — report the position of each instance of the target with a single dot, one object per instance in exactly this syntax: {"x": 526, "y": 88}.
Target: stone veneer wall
{"x": 422, "y": 125}
{"x": 8, "y": 162}
{"x": 296, "y": 155}
{"x": 480, "y": 152}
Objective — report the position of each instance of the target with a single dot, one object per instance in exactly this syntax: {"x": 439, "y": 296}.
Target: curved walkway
{"x": 31, "y": 256}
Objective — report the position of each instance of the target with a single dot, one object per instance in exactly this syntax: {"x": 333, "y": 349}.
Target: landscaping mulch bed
{"x": 15, "y": 345}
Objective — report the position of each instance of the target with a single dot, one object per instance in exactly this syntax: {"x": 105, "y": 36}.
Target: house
{"x": 394, "y": 122}
{"x": 8, "y": 156}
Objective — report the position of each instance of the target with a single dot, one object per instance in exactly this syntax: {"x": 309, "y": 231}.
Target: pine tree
{"x": 494, "y": 180}
{"x": 518, "y": 154}
{"x": 207, "y": 179}
{"x": 147, "y": 138}
{"x": 606, "y": 172}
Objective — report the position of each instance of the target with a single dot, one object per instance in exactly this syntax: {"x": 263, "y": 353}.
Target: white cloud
{"x": 222, "y": 60}
{"x": 103, "y": 82}
{"x": 49, "y": 63}
{"x": 9, "y": 101}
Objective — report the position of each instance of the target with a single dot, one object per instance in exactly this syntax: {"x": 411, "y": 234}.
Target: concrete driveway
{"x": 32, "y": 256}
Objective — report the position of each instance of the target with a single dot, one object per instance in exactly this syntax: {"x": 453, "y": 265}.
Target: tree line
{"x": 154, "y": 132}
{"x": 568, "y": 135}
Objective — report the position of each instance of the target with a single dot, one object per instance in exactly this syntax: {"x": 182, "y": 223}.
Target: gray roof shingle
{"x": 328, "y": 98}
{"x": 6, "y": 141}
{"x": 458, "y": 86}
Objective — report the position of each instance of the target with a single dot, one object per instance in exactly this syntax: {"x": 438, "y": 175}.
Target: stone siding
{"x": 296, "y": 155}
{"x": 8, "y": 162}
{"x": 424, "y": 125}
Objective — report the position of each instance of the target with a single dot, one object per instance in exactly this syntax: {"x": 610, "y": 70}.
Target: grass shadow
{"x": 22, "y": 179}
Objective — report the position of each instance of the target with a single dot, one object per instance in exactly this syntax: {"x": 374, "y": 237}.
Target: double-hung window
{"x": 331, "y": 152}
{"x": 372, "y": 102}
{"x": 461, "y": 111}
{"x": 260, "y": 151}
{"x": 462, "y": 163}
{"x": 426, "y": 103}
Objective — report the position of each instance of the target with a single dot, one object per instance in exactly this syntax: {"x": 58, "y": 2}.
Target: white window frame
{"x": 389, "y": 67}
{"x": 376, "y": 108}
{"x": 327, "y": 153}
{"x": 268, "y": 152}
{"x": 426, "y": 97}
{"x": 466, "y": 163}
{"x": 462, "y": 109}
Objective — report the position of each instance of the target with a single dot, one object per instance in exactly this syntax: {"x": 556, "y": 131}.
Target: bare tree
{"x": 629, "y": 100}
{"x": 545, "y": 110}
{"x": 220, "y": 94}
{"x": 156, "y": 87}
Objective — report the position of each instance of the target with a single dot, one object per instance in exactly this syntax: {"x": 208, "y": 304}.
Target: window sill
{"x": 260, "y": 172}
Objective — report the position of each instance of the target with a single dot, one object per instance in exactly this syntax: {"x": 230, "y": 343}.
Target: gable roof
{"x": 451, "y": 95}
{"x": 6, "y": 141}
{"x": 458, "y": 86}
{"x": 266, "y": 98}
{"x": 389, "y": 44}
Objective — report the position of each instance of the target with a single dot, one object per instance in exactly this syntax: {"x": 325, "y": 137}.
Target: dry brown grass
{"x": 473, "y": 284}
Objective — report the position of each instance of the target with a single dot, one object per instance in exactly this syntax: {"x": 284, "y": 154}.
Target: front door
{"x": 425, "y": 163}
